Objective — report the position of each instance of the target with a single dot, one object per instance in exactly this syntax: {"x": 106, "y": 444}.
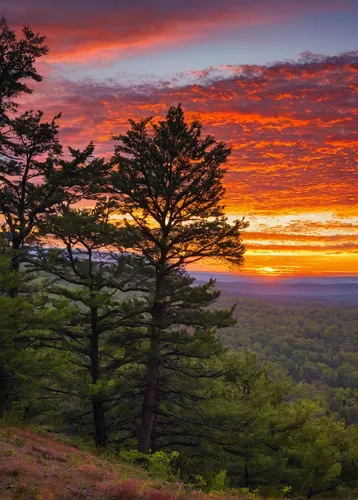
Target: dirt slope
{"x": 40, "y": 467}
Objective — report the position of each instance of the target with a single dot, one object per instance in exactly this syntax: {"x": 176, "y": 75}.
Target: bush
{"x": 219, "y": 482}
{"x": 161, "y": 465}
{"x": 200, "y": 483}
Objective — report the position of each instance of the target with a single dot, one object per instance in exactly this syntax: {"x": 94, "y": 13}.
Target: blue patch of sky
{"x": 326, "y": 33}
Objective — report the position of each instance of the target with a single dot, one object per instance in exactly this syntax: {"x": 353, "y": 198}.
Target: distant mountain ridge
{"x": 288, "y": 290}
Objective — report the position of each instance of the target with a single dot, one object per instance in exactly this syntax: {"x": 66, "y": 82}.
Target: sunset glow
{"x": 292, "y": 124}
{"x": 268, "y": 271}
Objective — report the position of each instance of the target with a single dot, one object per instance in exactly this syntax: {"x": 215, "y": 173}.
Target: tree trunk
{"x": 97, "y": 404}
{"x": 154, "y": 428}
{"x": 246, "y": 473}
{"x": 2, "y": 392}
{"x": 150, "y": 398}
{"x": 15, "y": 260}
{"x": 15, "y": 266}
{"x": 99, "y": 422}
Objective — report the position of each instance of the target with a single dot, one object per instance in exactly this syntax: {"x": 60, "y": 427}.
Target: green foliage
{"x": 199, "y": 483}
{"x": 160, "y": 465}
{"x": 219, "y": 481}
{"x": 24, "y": 324}
{"x": 14, "y": 415}
{"x": 295, "y": 340}
{"x": 103, "y": 336}
{"x": 134, "y": 456}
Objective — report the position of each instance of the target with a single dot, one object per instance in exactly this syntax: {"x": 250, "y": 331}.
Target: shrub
{"x": 14, "y": 416}
{"x": 219, "y": 482}
{"x": 134, "y": 457}
{"x": 161, "y": 465}
{"x": 200, "y": 483}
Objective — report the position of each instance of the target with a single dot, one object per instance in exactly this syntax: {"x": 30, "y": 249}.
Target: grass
{"x": 42, "y": 466}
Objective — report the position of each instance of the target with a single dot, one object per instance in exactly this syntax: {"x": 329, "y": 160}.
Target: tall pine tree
{"x": 90, "y": 270}
{"x": 34, "y": 178}
{"x": 170, "y": 185}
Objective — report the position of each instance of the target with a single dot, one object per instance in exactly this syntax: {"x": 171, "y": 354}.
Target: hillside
{"x": 39, "y": 466}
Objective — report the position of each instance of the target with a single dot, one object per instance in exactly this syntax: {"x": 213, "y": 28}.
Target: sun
{"x": 269, "y": 271}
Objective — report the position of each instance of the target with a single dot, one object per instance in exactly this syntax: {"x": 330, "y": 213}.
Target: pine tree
{"x": 24, "y": 322}
{"x": 23, "y": 197}
{"x": 90, "y": 270}
{"x": 17, "y": 57}
{"x": 35, "y": 181}
{"x": 170, "y": 185}
{"x": 189, "y": 364}
{"x": 189, "y": 361}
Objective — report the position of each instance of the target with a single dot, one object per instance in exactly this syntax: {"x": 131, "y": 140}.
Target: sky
{"x": 276, "y": 79}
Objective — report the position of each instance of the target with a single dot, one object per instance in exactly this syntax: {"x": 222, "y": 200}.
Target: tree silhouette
{"x": 17, "y": 57}
{"x": 170, "y": 185}
{"x": 35, "y": 180}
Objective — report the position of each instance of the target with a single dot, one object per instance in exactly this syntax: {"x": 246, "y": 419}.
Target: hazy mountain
{"x": 317, "y": 289}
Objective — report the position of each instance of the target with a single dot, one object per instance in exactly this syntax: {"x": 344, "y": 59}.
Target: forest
{"x": 104, "y": 335}
{"x": 316, "y": 346}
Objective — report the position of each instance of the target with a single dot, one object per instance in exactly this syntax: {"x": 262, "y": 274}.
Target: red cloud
{"x": 82, "y": 30}
{"x": 292, "y": 127}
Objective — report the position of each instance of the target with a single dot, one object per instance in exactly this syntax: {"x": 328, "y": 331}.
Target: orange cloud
{"x": 292, "y": 127}
{"x": 84, "y": 30}
{"x": 80, "y": 31}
